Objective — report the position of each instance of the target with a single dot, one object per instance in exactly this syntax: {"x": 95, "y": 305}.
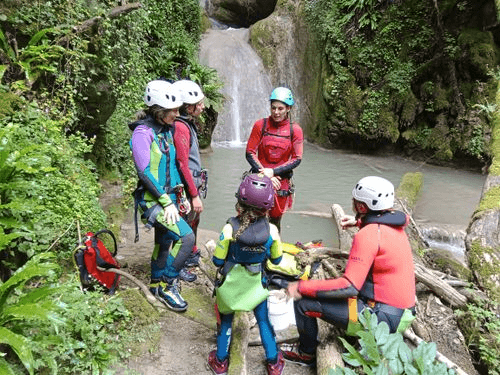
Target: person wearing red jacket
{"x": 379, "y": 274}
{"x": 189, "y": 161}
{"x": 275, "y": 148}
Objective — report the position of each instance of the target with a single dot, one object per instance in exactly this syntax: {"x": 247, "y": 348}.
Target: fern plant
{"x": 19, "y": 304}
{"x": 384, "y": 353}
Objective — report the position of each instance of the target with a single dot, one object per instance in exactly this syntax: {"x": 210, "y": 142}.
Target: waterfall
{"x": 246, "y": 84}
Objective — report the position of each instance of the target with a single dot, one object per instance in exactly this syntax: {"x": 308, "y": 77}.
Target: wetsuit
{"x": 153, "y": 152}
{"x": 242, "y": 262}
{"x": 189, "y": 162}
{"x": 379, "y": 273}
{"x": 278, "y": 146}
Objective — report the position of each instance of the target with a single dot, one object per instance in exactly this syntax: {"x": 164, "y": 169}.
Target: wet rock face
{"x": 239, "y": 13}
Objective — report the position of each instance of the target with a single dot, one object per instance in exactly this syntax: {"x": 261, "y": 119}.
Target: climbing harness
{"x": 202, "y": 190}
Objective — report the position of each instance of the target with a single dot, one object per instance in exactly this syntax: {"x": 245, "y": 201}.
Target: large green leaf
{"x": 20, "y": 345}
{"x": 29, "y": 311}
{"x": 33, "y": 268}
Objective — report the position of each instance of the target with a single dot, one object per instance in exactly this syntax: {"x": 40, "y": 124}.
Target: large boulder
{"x": 239, "y": 13}
{"x": 293, "y": 59}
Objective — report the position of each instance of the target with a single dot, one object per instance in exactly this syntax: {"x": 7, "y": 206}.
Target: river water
{"x": 324, "y": 177}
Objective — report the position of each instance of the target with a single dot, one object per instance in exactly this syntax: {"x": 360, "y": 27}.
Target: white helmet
{"x": 191, "y": 92}
{"x": 376, "y": 192}
{"x": 162, "y": 93}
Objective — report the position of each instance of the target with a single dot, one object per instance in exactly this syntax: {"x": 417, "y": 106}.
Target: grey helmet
{"x": 376, "y": 192}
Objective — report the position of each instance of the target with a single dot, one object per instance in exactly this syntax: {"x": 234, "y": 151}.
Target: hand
{"x": 171, "y": 214}
{"x": 268, "y": 172}
{"x": 348, "y": 221}
{"x": 293, "y": 291}
{"x": 276, "y": 182}
{"x": 197, "y": 204}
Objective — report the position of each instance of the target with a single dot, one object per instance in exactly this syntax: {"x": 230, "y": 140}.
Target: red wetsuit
{"x": 379, "y": 275}
{"x": 380, "y": 268}
{"x": 277, "y": 146}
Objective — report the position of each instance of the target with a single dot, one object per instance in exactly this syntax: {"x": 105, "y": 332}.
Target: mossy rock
{"x": 447, "y": 263}
{"x": 483, "y": 53}
{"x": 486, "y": 266}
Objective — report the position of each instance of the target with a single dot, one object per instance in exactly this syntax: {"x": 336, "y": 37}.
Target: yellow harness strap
{"x": 353, "y": 309}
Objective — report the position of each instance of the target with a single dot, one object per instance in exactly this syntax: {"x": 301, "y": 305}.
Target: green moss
{"x": 446, "y": 263}
{"x": 201, "y": 308}
{"x": 9, "y": 104}
{"x": 144, "y": 331}
{"x": 388, "y": 124}
{"x": 484, "y": 270}
{"x": 490, "y": 200}
{"x": 410, "y": 187}
{"x": 495, "y": 144}
{"x": 409, "y": 103}
{"x": 481, "y": 48}
{"x": 265, "y": 36}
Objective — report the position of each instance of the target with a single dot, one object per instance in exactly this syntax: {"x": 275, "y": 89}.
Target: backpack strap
{"x": 264, "y": 130}
{"x": 107, "y": 231}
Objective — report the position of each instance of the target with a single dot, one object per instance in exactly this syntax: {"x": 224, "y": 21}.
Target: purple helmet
{"x": 256, "y": 190}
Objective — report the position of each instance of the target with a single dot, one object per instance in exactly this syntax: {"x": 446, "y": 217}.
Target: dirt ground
{"x": 188, "y": 337}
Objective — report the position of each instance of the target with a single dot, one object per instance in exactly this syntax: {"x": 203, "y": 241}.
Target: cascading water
{"x": 246, "y": 83}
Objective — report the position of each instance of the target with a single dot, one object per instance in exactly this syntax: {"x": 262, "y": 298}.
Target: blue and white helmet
{"x": 376, "y": 192}
{"x": 283, "y": 95}
{"x": 163, "y": 94}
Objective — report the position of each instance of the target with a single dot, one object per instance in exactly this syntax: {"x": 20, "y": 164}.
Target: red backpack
{"x": 92, "y": 254}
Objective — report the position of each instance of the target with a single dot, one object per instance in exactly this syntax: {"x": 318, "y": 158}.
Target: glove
{"x": 171, "y": 214}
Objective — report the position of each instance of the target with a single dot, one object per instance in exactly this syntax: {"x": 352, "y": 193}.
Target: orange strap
{"x": 353, "y": 309}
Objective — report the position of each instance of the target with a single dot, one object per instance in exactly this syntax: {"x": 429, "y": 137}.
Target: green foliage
{"x": 96, "y": 332}
{"x": 382, "y": 352}
{"x": 481, "y": 327}
{"x": 45, "y": 185}
{"x": 21, "y": 305}
{"x": 383, "y": 76}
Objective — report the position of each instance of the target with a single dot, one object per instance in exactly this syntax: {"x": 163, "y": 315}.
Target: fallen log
{"x": 239, "y": 344}
{"x": 439, "y": 287}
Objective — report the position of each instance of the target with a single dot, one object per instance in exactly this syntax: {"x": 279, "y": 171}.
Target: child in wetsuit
{"x": 245, "y": 243}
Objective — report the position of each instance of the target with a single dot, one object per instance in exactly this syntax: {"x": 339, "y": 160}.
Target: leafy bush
{"x": 481, "y": 326}
{"x": 45, "y": 186}
{"x": 382, "y": 352}
{"x": 21, "y": 305}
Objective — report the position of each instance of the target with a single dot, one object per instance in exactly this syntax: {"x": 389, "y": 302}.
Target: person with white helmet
{"x": 275, "y": 148}
{"x": 379, "y": 275}
{"x": 160, "y": 194}
{"x": 189, "y": 161}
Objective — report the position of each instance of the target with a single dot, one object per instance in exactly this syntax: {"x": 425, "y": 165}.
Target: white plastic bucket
{"x": 280, "y": 310}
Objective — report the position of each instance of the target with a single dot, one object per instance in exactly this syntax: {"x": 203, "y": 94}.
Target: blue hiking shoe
{"x": 186, "y": 275}
{"x": 193, "y": 260}
{"x": 167, "y": 292}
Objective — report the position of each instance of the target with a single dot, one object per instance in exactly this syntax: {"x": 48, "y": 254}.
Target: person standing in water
{"x": 275, "y": 148}
{"x": 160, "y": 194}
